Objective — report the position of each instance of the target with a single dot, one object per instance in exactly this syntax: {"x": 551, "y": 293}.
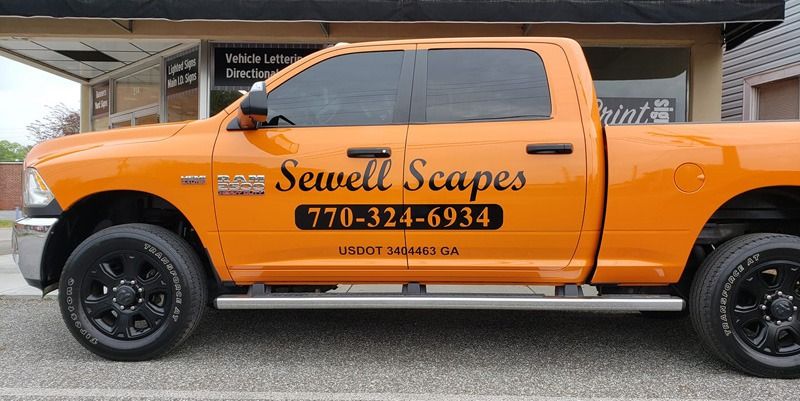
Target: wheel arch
{"x": 104, "y": 209}
{"x": 769, "y": 209}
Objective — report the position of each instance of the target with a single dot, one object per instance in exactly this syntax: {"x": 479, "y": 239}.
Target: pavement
{"x": 381, "y": 355}
{"x": 377, "y": 355}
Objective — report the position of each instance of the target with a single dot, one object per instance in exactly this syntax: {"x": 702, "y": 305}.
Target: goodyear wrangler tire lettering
{"x": 399, "y": 217}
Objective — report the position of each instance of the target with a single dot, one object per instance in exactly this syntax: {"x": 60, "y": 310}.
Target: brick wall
{"x": 10, "y": 186}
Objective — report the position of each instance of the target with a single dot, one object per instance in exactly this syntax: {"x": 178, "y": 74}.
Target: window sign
{"x": 100, "y": 99}
{"x": 241, "y": 66}
{"x": 640, "y": 85}
{"x": 182, "y": 72}
{"x": 100, "y": 106}
{"x": 236, "y": 66}
{"x": 636, "y": 110}
{"x": 182, "y": 85}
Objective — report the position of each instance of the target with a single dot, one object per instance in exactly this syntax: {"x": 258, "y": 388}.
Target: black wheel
{"x": 744, "y": 304}
{"x": 132, "y": 292}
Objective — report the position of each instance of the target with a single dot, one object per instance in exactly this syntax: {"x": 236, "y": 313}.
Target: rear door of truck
{"x": 496, "y": 158}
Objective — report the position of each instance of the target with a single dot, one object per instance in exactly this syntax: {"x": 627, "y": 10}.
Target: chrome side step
{"x": 451, "y": 301}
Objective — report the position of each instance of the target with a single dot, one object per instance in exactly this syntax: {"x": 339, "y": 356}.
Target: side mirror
{"x": 253, "y": 109}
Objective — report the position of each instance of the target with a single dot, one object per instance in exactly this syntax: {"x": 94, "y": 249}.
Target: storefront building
{"x": 761, "y": 78}
{"x": 149, "y": 62}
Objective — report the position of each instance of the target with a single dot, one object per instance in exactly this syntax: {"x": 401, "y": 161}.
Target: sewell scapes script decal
{"x": 469, "y": 216}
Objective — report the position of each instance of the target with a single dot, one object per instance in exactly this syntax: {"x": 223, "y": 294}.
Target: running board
{"x": 451, "y": 301}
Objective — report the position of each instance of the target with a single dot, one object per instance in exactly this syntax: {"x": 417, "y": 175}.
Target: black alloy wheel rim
{"x": 125, "y": 295}
{"x": 765, "y": 308}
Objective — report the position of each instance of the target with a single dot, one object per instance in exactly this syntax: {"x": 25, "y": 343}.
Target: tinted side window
{"x": 352, "y": 89}
{"x": 485, "y": 84}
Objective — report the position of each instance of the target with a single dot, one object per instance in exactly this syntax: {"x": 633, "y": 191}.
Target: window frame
{"x": 751, "y": 84}
{"x": 419, "y": 90}
{"x": 132, "y": 114}
{"x": 402, "y": 105}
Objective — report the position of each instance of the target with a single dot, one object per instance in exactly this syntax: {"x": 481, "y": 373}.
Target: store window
{"x": 100, "y": 96}
{"x": 637, "y": 85}
{"x": 485, "y": 84}
{"x": 137, "y": 90}
{"x": 236, "y": 66}
{"x": 136, "y": 98}
{"x": 182, "y": 85}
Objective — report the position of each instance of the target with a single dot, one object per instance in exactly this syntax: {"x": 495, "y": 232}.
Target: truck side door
{"x": 496, "y": 160}
{"x": 335, "y": 139}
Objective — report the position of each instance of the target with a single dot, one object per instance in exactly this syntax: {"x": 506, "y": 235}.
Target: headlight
{"x": 35, "y": 191}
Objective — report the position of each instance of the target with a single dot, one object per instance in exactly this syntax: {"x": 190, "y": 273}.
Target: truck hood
{"x": 79, "y": 142}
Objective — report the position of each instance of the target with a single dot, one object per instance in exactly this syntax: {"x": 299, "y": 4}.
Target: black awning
{"x": 742, "y": 18}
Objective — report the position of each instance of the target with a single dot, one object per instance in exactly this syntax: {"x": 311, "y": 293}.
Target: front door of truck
{"x": 293, "y": 196}
{"x": 496, "y": 159}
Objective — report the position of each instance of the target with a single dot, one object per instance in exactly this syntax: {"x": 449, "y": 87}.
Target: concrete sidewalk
{"x": 11, "y": 281}
{"x": 8, "y": 215}
{"x": 5, "y": 241}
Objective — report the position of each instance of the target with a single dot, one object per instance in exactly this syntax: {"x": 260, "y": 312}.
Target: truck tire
{"x": 744, "y": 304}
{"x": 132, "y": 292}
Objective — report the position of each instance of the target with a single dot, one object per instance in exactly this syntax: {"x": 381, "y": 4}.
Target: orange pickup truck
{"x": 420, "y": 162}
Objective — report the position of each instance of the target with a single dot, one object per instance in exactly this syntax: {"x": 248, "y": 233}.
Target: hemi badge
{"x": 193, "y": 179}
